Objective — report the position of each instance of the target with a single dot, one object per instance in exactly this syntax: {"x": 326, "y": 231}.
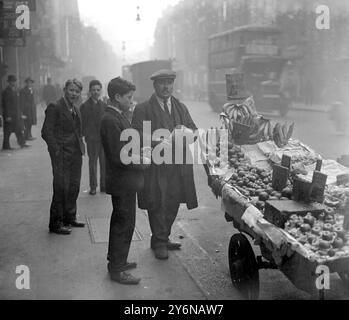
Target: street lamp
{"x": 138, "y": 19}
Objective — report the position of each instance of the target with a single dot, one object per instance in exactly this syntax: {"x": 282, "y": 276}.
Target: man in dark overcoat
{"x": 62, "y": 132}
{"x": 12, "y": 114}
{"x": 166, "y": 186}
{"x": 49, "y": 94}
{"x": 28, "y": 108}
{"x": 91, "y": 112}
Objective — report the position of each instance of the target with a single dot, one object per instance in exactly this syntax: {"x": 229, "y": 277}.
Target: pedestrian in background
{"x": 62, "y": 132}
{"x": 91, "y": 113}
{"x": 166, "y": 186}
{"x": 49, "y": 93}
{"x": 122, "y": 181}
{"x": 28, "y": 108}
{"x": 13, "y": 121}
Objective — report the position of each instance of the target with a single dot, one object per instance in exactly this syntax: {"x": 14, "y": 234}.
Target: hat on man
{"x": 163, "y": 74}
{"x": 11, "y": 78}
{"x": 29, "y": 79}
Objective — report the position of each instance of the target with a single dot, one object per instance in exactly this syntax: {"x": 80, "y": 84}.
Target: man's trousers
{"x": 122, "y": 225}
{"x": 95, "y": 151}
{"x": 66, "y": 187}
{"x": 7, "y": 134}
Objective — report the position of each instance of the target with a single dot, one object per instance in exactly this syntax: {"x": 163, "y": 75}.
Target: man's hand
{"x": 24, "y": 117}
{"x": 8, "y": 119}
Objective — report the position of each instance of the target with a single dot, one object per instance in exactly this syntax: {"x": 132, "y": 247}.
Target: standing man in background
{"x": 3, "y": 72}
{"x": 13, "y": 121}
{"x": 91, "y": 112}
{"x": 28, "y": 107}
{"x": 62, "y": 133}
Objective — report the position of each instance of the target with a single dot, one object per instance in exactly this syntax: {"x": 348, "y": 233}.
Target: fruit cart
{"x": 298, "y": 231}
{"x": 278, "y": 249}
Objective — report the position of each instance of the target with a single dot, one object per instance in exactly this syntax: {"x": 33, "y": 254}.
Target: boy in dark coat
{"x": 62, "y": 133}
{"x": 122, "y": 181}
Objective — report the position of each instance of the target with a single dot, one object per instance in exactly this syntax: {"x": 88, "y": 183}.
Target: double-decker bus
{"x": 254, "y": 51}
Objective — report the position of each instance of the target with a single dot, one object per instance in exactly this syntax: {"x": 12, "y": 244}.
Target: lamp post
{"x": 138, "y": 18}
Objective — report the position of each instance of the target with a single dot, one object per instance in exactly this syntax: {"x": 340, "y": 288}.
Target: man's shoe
{"x": 129, "y": 266}
{"x": 61, "y": 230}
{"x": 7, "y": 148}
{"x": 173, "y": 245}
{"x": 161, "y": 253}
{"x": 25, "y": 146}
{"x": 75, "y": 224}
{"x": 124, "y": 278}
{"x": 31, "y": 139}
{"x": 93, "y": 192}
{"x": 125, "y": 267}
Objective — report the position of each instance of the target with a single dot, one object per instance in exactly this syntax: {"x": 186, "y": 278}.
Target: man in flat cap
{"x": 12, "y": 114}
{"x": 28, "y": 107}
{"x": 63, "y": 135}
{"x": 166, "y": 186}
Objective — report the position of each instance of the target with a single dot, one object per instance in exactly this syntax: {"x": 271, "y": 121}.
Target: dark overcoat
{"x": 155, "y": 177}
{"x": 91, "y": 115}
{"x": 11, "y": 109}
{"x": 120, "y": 179}
{"x": 27, "y": 103}
{"x": 59, "y": 131}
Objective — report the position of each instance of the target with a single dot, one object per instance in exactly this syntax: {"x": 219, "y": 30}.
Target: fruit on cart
{"x": 322, "y": 216}
{"x": 339, "y": 231}
{"x": 328, "y": 227}
{"x": 331, "y": 252}
{"x": 305, "y": 228}
{"x": 263, "y": 196}
{"x": 312, "y": 238}
{"x": 323, "y": 245}
{"x": 316, "y": 230}
{"x": 327, "y": 235}
{"x": 299, "y": 222}
{"x": 282, "y": 133}
{"x": 309, "y": 219}
{"x": 338, "y": 243}
{"x": 287, "y": 192}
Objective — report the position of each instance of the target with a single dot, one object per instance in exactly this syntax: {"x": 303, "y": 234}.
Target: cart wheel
{"x": 243, "y": 267}
{"x": 345, "y": 278}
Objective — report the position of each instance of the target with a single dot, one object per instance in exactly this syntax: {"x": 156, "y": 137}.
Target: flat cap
{"x": 29, "y": 79}
{"x": 11, "y": 78}
{"x": 163, "y": 74}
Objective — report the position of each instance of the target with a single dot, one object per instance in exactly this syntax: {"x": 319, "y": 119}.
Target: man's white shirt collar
{"x": 162, "y": 105}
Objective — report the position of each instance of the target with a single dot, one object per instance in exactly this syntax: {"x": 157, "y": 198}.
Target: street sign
{"x": 11, "y": 5}
{"x": 9, "y": 31}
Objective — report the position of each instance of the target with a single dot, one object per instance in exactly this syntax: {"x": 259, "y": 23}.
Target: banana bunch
{"x": 261, "y": 130}
{"x": 282, "y": 133}
{"x": 238, "y": 112}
